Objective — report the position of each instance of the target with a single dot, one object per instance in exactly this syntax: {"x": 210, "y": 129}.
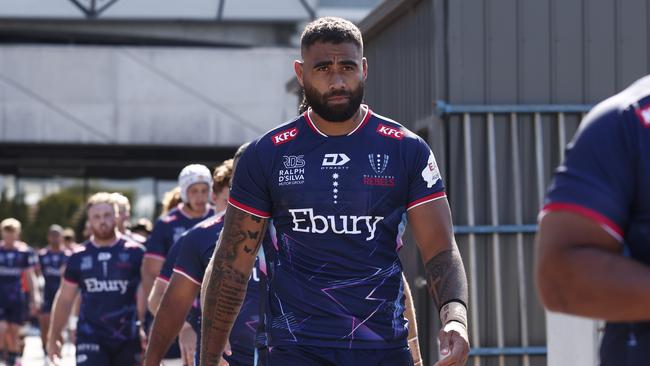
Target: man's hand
{"x": 187, "y": 343}
{"x": 143, "y": 337}
{"x": 454, "y": 344}
{"x": 54, "y": 345}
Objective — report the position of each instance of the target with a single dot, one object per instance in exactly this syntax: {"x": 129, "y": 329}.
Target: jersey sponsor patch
{"x": 294, "y": 172}
{"x": 391, "y": 132}
{"x": 430, "y": 173}
{"x": 304, "y": 220}
{"x": 284, "y": 136}
{"x": 644, "y": 115}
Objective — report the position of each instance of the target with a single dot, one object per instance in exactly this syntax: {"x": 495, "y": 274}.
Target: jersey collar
{"x": 364, "y": 121}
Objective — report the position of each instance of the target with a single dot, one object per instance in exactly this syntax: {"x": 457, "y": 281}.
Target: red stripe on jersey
{"x": 163, "y": 278}
{"x": 644, "y": 115}
{"x": 249, "y": 209}
{"x": 609, "y": 225}
{"x": 183, "y": 273}
{"x": 431, "y": 197}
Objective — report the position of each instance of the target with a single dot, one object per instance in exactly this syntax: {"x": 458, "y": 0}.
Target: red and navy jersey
{"x": 13, "y": 261}
{"x": 606, "y": 173}
{"x": 51, "y": 264}
{"x": 168, "y": 229}
{"x": 195, "y": 250}
{"x": 338, "y": 207}
{"x": 607, "y": 165}
{"x": 108, "y": 278}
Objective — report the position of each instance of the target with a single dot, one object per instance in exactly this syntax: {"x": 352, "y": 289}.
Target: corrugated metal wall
{"x": 494, "y": 52}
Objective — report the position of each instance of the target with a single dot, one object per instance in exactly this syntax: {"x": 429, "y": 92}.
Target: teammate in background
{"x": 16, "y": 258}
{"x": 187, "y": 259}
{"x": 220, "y": 192}
{"x": 593, "y": 243}
{"x": 170, "y": 200}
{"x": 69, "y": 241}
{"x": 338, "y": 183}
{"x": 142, "y": 227}
{"x": 107, "y": 274}
{"x": 195, "y": 182}
{"x": 123, "y": 218}
{"x": 51, "y": 261}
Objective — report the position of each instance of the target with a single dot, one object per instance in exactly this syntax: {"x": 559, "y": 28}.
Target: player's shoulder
{"x": 628, "y": 109}
{"x": 23, "y": 247}
{"x": 173, "y": 215}
{"x": 281, "y": 134}
{"x": 87, "y": 249}
{"x": 391, "y": 130}
{"x": 132, "y": 245}
{"x": 43, "y": 252}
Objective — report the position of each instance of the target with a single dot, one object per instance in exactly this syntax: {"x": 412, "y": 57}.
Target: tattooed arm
{"x": 225, "y": 288}
{"x": 433, "y": 231}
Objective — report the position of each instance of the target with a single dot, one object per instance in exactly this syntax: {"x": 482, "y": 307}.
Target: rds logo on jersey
{"x": 294, "y": 172}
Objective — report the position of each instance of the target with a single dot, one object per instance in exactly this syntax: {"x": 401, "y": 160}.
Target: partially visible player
{"x": 170, "y": 200}
{"x": 142, "y": 227}
{"x": 107, "y": 274}
{"x": 16, "y": 259}
{"x": 69, "y": 240}
{"x": 187, "y": 259}
{"x": 124, "y": 217}
{"x": 195, "y": 182}
{"x": 51, "y": 261}
{"x": 593, "y": 243}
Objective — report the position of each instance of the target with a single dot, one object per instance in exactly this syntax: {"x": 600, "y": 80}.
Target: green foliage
{"x": 66, "y": 208}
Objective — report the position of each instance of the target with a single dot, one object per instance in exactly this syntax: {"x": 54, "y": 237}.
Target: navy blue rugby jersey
{"x": 51, "y": 264}
{"x": 168, "y": 229}
{"x": 108, "y": 278}
{"x": 193, "y": 258}
{"x": 13, "y": 261}
{"x": 605, "y": 175}
{"x": 338, "y": 206}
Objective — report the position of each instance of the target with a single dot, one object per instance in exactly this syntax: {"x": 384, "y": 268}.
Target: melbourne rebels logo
{"x": 379, "y": 163}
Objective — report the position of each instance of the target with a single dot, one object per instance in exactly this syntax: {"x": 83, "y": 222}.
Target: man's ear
{"x": 297, "y": 68}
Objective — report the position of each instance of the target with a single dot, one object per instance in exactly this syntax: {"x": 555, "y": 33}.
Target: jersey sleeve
{"x": 156, "y": 243}
{"x": 596, "y": 179}
{"x": 170, "y": 260}
{"x": 189, "y": 263}
{"x": 72, "y": 272}
{"x": 250, "y": 191}
{"x": 425, "y": 182}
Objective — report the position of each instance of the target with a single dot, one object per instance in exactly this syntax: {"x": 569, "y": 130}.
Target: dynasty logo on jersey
{"x": 305, "y": 221}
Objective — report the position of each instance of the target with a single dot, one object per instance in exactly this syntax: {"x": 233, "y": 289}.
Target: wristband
{"x": 453, "y": 311}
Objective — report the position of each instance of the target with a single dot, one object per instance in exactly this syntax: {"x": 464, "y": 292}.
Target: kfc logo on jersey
{"x": 644, "y": 115}
{"x": 292, "y": 162}
{"x": 390, "y": 132}
{"x": 335, "y": 161}
{"x": 305, "y": 221}
{"x": 284, "y": 136}
{"x": 430, "y": 173}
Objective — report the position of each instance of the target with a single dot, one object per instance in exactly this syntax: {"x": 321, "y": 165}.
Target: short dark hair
{"x": 331, "y": 30}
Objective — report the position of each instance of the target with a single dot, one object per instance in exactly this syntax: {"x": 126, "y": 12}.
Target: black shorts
{"x": 13, "y": 312}
{"x": 324, "y": 356}
{"x": 93, "y": 351}
{"x": 625, "y": 344}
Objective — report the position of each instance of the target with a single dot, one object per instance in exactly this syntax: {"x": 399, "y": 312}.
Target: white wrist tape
{"x": 453, "y": 311}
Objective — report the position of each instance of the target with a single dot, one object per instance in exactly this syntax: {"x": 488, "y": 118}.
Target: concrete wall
{"x": 141, "y": 96}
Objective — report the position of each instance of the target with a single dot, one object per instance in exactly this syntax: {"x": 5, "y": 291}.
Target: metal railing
{"x": 468, "y": 116}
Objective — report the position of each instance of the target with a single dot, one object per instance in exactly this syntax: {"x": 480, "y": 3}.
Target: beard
{"x": 104, "y": 232}
{"x": 337, "y": 113}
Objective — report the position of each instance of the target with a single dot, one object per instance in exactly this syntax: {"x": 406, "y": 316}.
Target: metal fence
{"x": 498, "y": 160}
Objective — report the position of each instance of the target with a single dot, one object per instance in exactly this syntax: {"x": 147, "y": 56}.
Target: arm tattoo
{"x": 446, "y": 278}
{"x": 226, "y": 286}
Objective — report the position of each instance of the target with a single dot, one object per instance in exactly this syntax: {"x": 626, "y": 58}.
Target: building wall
{"x": 142, "y": 96}
{"x": 488, "y": 53}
